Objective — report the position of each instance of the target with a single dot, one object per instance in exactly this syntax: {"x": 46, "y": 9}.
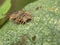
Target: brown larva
{"x": 20, "y": 16}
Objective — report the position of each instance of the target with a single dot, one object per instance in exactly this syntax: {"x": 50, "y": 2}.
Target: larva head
{"x": 13, "y": 16}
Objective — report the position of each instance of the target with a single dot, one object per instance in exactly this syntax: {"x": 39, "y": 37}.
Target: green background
{"x": 45, "y": 24}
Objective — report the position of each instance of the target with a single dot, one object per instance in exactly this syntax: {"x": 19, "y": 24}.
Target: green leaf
{"x": 45, "y": 24}
{"x": 4, "y": 8}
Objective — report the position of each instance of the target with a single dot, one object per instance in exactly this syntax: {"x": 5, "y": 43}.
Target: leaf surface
{"x": 45, "y": 24}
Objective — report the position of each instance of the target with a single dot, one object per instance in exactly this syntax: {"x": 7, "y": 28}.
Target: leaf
{"x": 45, "y": 25}
{"x": 4, "y": 8}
